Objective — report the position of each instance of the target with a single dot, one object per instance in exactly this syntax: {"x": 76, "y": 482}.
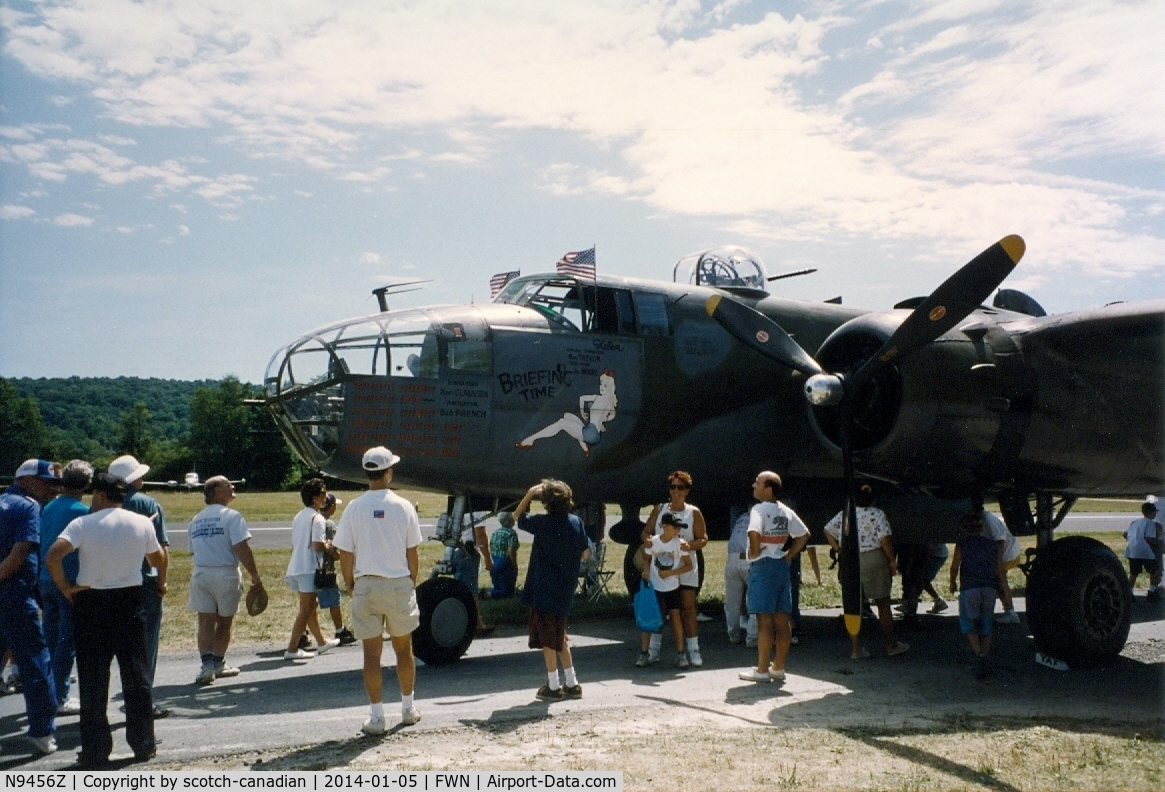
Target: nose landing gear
{"x": 448, "y": 608}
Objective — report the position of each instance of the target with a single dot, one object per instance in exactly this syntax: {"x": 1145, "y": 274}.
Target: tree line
{"x": 174, "y": 426}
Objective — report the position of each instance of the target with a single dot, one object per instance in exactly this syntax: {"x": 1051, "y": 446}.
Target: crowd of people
{"x": 81, "y": 585}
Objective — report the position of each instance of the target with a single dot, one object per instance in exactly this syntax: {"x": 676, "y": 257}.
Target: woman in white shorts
{"x": 308, "y": 543}
{"x": 694, "y": 536}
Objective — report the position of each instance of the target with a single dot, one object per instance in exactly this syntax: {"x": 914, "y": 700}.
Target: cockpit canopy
{"x": 725, "y": 267}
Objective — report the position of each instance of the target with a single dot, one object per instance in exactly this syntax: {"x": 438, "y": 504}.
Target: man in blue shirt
{"x": 20, "y": 627}
{"x": 133, "y": 473}
{"x": 58, "y": 611}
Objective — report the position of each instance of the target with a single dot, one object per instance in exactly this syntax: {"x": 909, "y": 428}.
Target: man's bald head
{"x": 218, "y": 489}
{"x": 767, "y": 486}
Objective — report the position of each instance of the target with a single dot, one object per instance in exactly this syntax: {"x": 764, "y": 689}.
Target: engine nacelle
{"x": 928, "y": 420}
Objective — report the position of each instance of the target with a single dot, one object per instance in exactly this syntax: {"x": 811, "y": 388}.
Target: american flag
{"x": 580, "y": 264}
{"x": 499, "y": 281}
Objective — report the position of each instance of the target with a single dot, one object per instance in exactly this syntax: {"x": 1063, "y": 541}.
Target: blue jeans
{"x": 58, "y": 634}
{"x": 504, "y": 576}
{"x": 21, "y": 631}
{"x": 151, "y": 609}
{"x": 467, "y": 568}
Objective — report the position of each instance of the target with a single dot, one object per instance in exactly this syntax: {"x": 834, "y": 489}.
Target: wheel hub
{"x": 1103, "y": 605}
{"x": 450, "y": 618}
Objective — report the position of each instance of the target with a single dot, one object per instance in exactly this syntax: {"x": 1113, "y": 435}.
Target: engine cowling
{"x": 926, "y": 421}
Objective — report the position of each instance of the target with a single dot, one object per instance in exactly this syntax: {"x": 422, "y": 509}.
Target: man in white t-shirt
{"x": 377, "y": 539}
{"x": 108, "y": 622}
{"x": 775, "y": 536}
{"x": 1143, "y": 541}
{"x": 218, "y": 541}
{"x": 1008, "y": 559}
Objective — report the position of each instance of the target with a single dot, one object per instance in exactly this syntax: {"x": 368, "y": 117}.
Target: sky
{"x": 187, "y": 185}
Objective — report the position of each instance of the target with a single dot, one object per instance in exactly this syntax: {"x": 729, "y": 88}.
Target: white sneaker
{"x": 410, "y": 716}
{"x": 694, "y": 658}
{"x": 298, "y": 654}
{"x": 776, "y": 674}
{"x": 225, "y": 670}
{"x": 44, "y": 745}
{"x": 205, "y": 675}
{"x": 652, "y": 658}
{"x": 69, "y": 707}
{"x": 752, "y": 675}
{"x": 375, "y": 726}
{"x": 682, "y": 660}
{"x": 327, "y": 646}
{"x": 1007, "y": 617}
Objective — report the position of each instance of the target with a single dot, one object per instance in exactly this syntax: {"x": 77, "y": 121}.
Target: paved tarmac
{"x": 274, "y": 704}
{"x": 278, "y": 534}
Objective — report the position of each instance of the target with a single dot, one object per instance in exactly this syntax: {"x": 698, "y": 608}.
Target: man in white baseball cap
{"x": 132, "y": 472}
{"x": 377, "y": 539}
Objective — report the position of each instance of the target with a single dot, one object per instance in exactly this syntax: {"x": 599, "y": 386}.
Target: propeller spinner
{"x": 946, "y": 306}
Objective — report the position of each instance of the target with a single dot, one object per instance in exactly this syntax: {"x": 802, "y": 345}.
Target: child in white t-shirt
{"x": 666, "y": 563}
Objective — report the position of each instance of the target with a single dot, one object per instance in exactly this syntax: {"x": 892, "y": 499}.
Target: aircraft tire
{"x": 632, "y": 577}
{"x": 1079, "y": 602}
{"x": 448, "y": 621}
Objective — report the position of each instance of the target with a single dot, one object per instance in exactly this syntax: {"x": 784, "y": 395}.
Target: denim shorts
{"x": 467, "y": 568}
{"x": 769, "y": 589}
{"x": 976, "y": 610}
{"x": 328, "y": 597}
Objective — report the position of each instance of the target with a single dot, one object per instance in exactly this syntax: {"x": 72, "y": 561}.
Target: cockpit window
{"x": 560, "y": 300}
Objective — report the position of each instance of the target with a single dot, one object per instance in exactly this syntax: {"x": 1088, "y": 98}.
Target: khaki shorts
{"x": 215, "y": 590}
{"x": 876, "y": 578}
{"x": 380, "y": 601}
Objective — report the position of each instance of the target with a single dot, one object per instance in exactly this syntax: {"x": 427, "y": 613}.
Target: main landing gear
{"x": 1079, "y": 601}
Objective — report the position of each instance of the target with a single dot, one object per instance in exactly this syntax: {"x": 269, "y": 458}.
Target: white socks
{"x": 692, "y": 644}
{"x": 552, "y": 679}
{"x": 406, "y": 701}
{"x": 655, "y": 643}
{"x": 376, "y": 710}
{"x": 571, "y": 680}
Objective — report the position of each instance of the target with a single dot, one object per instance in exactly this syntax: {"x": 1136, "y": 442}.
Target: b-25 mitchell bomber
{"x": 610, "y": 383}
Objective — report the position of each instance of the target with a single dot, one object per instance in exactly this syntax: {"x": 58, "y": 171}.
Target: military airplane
{"x": 189, "y": 483}
{"x": 610, "y": 383}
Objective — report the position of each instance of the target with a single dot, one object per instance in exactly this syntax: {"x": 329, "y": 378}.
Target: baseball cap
{"x": 127, "y": 468}
{"x": 38, "y": 468}
{"x": 379, "y": 458}
{"x": 670, "y": 519}
{"x": 332, "y": 500}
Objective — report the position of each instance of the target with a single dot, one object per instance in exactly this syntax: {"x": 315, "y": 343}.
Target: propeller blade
{"x": 758, "y": 332}
{"x": 947, "y": 305}
{"x": 849, "y": 561}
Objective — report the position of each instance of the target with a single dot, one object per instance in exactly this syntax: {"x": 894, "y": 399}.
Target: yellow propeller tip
{"x": 1014, "y": 247}
{"x": 714, "y": 300}
{"x": 853, "y": 624}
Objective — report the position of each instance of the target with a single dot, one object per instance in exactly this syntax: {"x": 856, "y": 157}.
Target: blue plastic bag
{"x": 647, "y": 613}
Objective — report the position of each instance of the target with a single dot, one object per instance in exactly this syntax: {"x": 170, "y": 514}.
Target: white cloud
{"x": 184, "y": 230}
{"x": 368, "y": 257}
{"x": 969, "y": 116}
{"x": 72, "y": 220}
{"x": 15, "y": 212}
{"x": 125, "y": 229}
{"x": 303, "y": 193}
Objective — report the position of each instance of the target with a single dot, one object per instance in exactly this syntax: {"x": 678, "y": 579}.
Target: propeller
{"x": 946, "y": 306}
